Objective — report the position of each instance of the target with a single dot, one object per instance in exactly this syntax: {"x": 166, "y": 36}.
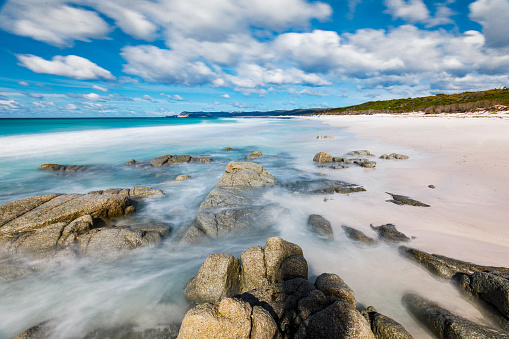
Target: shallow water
{"x": 145, "y": 287}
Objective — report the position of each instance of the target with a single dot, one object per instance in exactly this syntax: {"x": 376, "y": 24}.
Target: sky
{"x": 104, "y": 58}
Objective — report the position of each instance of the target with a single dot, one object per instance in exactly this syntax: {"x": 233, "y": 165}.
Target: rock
{"x": 331, "y": 187}
{"x": 324, "y": 136}
{"x": 432, "y": 186}
{"x": 276, "y": 252}
{"x": 137, "y": 192}
{"x": 384, "y": 327}
{"x": 40, "y": 331}
{"x": 167, "y": 160}
{"x": 321, "y": 226}
{"x": 217, "y": 278}
{"x": 443, "y": 323}
{"x": 263, "y": 325}
{"x": 394, "y": 156}
{"x": 390, "y": 234}
{"x": 339, "y": 320}
{"x": 183, "y": 177}
{"x": 231, "y": 318}
{"x": 253, "y": 274}
{"x": 358, "y": 236}
{"x": 130, "y": 331}
{"x": 131, "y": 162}
{"x": 363, "y": 152}
{"x": 245, "y": 174}
{"x": 63, "y": 168}
{"x": 226, "y": 221}
{"x": 364, "y": 163}
{"x": 322, "y": 157}
{"x": 254, "y": 155}
{"x": 332, "y": 284}
{"x": 228, "y": 149}
{"x": 443, "y": 266}
{"x": 490, "y": 290}
{"x": 340, "y": 159}
{"x": 404, "y": 200}
{"x": 226, "y": 197}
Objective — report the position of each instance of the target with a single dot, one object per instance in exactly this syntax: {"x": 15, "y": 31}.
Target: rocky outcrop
{"x": 136, "y": 192}
{"x": 384, "y": 327}
{"x": 75, "y": 224}
{"x": 322, "y": 157}
{"x": 277, "y": 302}
{"x": 360, "y": 153}
{"x": 320, "y": 226}
{"x": 390, "y": 234}
{"x": 63, "y": 168}
{"x": 490, "y": 290}
{"x": 404, "y": 200}
{"x": 183, "y": 177}
{"x": 443, "y": 323}
{"x": 225, "y": 209}
{"x": 358, "y": 237}
{"x": 394, "y": 156}
{"x": 167, "y": 160}
{"x": 443, "y": 266}
{"x": 254, "y": 155}
{"x": 221, "y": 275}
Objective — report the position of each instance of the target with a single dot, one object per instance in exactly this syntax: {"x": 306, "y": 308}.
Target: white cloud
{"x": 99, "y": 88}
{"x": 54, "y": 22}
{"x": 178, "y": 98}
{"x": 148, "y": 98}
{"x": 493, "y": 15}
{"x": 71, "y": 107}
{"x": 23, "y": 83}
{"x": 408, "y": 10}
{"x": 11, "y": 104}
{"x": 226, "y": 96}
{"x": 216, "y": 102}
{"x": 71, "y": 66}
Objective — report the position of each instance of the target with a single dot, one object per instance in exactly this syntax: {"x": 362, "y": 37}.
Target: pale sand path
{"x": 467, "y": 159}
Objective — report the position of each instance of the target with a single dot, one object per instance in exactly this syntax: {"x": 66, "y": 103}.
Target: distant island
{"x": 493, "y": 100}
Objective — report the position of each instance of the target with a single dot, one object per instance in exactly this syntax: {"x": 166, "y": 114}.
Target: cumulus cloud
{"x": 71, "y": 66}
{"x": 226, "y": 96}
{"x": 10, "y": 104}
{"x": 23, "y": 83}
{"x": 54, "y": 22}
{"x": 99, "y": 88}
{"x": 408, "y": 10}
{"x": 173, "y": 97}
{"x": 99, "y": 98}
{"x": 148, "y": 98}
{"x": 493, "y": 15}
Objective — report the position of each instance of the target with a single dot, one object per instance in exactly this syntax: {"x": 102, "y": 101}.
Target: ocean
{"x": 145, "y": 287}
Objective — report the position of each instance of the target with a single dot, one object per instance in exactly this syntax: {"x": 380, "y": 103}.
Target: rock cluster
{"x": 319, "y": 136}
{"x": 74, "y": 224}
{"x": 166, "y": 160}
{"x": 394, "y": 156}
{"x": 254, "y": 155}
{"x": 277, "y": 300}
{"x": 225, "y": 209}
{"x": 323, "y": 157}
{"x": 63, "y": 168}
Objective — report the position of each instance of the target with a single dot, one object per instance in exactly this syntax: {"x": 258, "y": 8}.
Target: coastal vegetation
{"x": 490, "y": 100}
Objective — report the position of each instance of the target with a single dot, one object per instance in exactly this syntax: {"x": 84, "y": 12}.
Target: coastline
{"x": 466, "y": 159}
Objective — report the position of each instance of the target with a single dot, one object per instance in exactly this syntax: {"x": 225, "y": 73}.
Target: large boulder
{"x": 322, "y": 157}
{"x": 359, "y": 237}
{"x": 217, "y": 278}
{"x": 245, "y": 174}
{"x": 332, "y": 284}
{"x": 384, "y": 327}
{"x": 390, "y": 234}
{"x": 445, "y": 324}
{"x": 445, "y": 267}
{"x": 320, "y": 226}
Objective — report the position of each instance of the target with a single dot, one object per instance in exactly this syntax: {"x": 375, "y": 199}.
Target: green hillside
{"x": 440, "y": 103}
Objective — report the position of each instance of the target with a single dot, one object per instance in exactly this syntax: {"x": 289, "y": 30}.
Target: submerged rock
{"x": 363, "y": 152}
{"x": 394, "y": 156}
{"x": 390, "y": 234}
{"x": 63, "y": 168}
{"x": 322, "y": 157}
{"x": 358, "y": 236}
{"x": 320, "y": 226}
{"x": 445, "y": 324}
{"x": 384, "y": 327}
{"x": 183, "y": 177}
{"x": 364, "y": 163}
{"x": 245, "y": 174}
{"x": 404, "y": 200}
{"x": 254, "y": 155}
{"x": 443, "y": 266}
{"x": 167, "y": 160}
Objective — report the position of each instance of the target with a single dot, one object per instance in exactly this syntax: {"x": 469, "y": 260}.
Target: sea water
{"x": 145, "y": 287}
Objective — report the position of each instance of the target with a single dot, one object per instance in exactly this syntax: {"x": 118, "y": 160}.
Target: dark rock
{"x": 443, "y": 266}
{"x": 394, "y": 156}
{"x": 167, "y": 160}
{"x": 384, "y": 327}
{"x": 322, "y": 157}
{"x": 333, "y": 285}
{"x": 364, "y": 163}
{"x": 490, "y": 290}
{"x": 443, "y": 323}
{"x": 404, "y": 200}
{"x": 131, "y": 162}
{"x": 358, "y": 236}
{"x": 432, "y": 186}
{"x": 390, "y": 234}
{"x": 40, "y": 331}
{"x": 321, "y": 226}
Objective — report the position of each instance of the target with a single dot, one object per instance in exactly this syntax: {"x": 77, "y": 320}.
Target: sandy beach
{"x": 466, "y": 159}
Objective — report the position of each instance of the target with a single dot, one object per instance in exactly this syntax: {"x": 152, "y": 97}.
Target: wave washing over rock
{"x": 264, "y": 248}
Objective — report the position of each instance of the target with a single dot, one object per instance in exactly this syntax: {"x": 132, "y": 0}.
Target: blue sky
{"x": 86, "y": 58}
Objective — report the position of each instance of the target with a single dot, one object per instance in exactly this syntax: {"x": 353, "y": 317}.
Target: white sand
{"x": 466, "y": 159}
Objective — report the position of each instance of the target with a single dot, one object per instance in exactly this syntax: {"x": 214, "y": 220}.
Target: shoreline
{"x": 467, "y": 161}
